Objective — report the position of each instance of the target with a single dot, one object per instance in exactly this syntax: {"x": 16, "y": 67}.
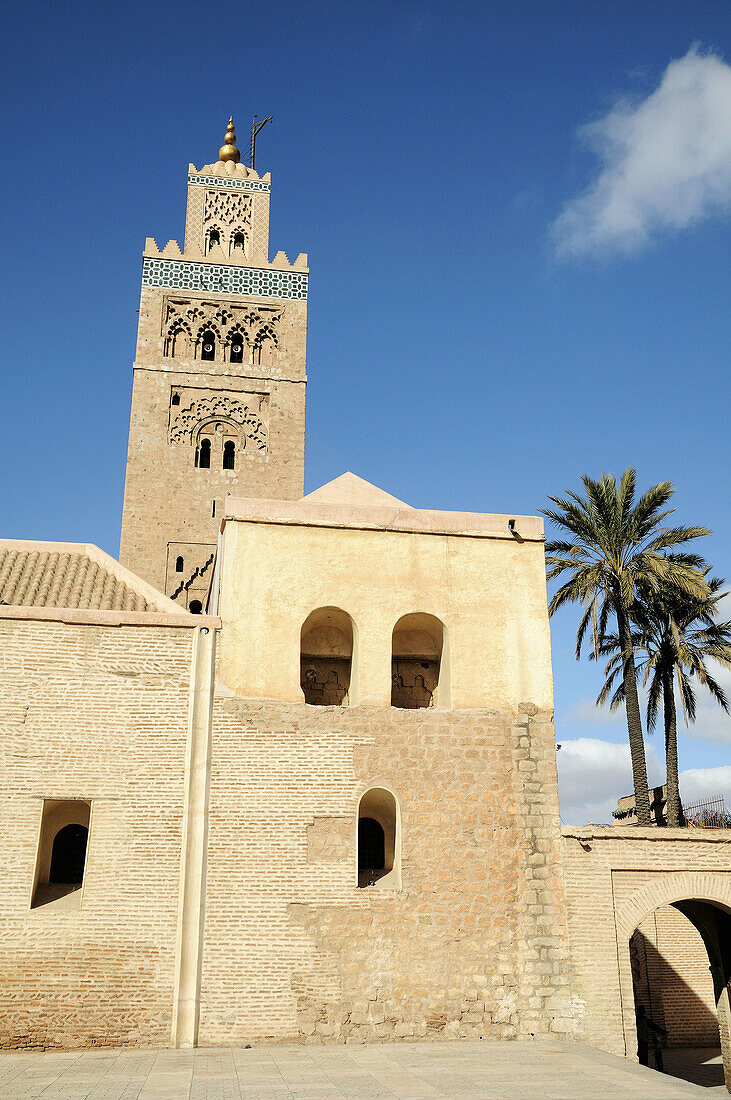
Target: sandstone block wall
{"x": 94, "y": 712}
{"x": 169, "y": 502}
{"x": 472, "y": 945}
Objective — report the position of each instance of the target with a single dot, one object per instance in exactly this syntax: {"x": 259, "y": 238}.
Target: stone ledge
{"x": 637, "y": 832}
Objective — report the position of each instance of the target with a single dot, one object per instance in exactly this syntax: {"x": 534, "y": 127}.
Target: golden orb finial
{"x": 228, "y": 150}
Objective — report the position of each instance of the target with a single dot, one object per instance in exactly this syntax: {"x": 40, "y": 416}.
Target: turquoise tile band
{"x": 224, "y": 278}
{"x": 227, "y": 181}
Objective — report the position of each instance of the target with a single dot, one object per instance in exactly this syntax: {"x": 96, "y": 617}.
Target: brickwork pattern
{"x": 614, "y": 879}
{"x": 98, "y": 713}
{"x": 473, "y": 945}
{"x": 673, "y": 980}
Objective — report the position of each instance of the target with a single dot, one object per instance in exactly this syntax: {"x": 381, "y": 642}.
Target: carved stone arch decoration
{"x": 266, "y": 332}
{"x": 186, "y": 425}
{"x": 264, "y": 344}
{"x": 208, "y": 324}
{"x": 217, "y": 425}
{"x": 178, "y": 332}
{"x": 238, "y": 231}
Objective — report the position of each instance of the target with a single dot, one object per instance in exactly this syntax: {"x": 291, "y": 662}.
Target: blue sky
{"x": 500, "y": 300}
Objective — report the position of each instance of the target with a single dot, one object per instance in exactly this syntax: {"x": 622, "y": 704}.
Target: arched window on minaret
{"x": 229, "y": 455}
{"x": 203, "y": 455}
{"x": 179, "y": 564}
{"x": 208, "y": 346}
{"x": 236, "y": 354}
{"x": 239, "y": 243}
{"x": 214, "y": 238}
{"x": 264, "y": 348}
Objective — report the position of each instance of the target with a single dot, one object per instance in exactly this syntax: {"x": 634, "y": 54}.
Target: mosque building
{"x": 286, "y": 771}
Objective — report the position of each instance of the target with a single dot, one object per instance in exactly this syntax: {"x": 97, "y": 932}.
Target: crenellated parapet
{"x": 216, "y": 273}
{"x": 217, "y": 255}
{"x": 218, "y": 403}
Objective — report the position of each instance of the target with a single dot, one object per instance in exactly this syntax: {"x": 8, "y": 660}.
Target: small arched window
{"x": 175, "y": 399}
{"x": 237, "y": 348}
{"x": 214, "y": 237}
{"x": 379, "y": 840}
{"x": 326, "y": 654}
{"x": 195, "y": 607}
{"x": 229, "y": 455}
{"x": 61, "y": 855}
{"x": 208, "y": 346}
{"x": 371, "y": 845}
{"x": 179, "y": 564}
{"x": 203, "y": 455}
{"x": 264, "y": 349}
{"x": 239, "y": 242}
{"x": 69, "y": 855}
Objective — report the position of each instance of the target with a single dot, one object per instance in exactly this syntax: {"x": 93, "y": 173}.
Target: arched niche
{"x": 680, "y": 967}
{"x": 419, "y": 663}
{"x": 326, "y": 657}
{"x": 61, "y": 856}
{"x": 378, "y": 858}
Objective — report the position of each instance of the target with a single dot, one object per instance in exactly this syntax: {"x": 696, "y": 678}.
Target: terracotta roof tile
{"x": 38, "y": 574}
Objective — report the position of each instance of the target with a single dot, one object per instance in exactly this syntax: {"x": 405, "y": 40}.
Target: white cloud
{"x": 665, "y": 162}
{"x": 696, "y": 783}
{"x": 712, "y": 723}
{"x": 593, "y": 774}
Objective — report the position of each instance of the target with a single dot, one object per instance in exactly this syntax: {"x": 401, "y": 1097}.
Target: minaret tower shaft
{"x": 218, "y": 396}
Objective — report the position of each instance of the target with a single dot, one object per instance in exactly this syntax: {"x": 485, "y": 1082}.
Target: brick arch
{"x": 713, "y": 887}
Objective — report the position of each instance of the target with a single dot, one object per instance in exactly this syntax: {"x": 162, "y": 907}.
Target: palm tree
{"x": 678, "y": 634}
{"x": 617, "y": 547}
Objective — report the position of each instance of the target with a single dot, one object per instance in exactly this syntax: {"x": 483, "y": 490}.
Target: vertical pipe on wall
{"x": 191, "y": 908}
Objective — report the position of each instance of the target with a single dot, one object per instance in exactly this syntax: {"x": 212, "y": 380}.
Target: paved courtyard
{"x": 408, "y": 1071}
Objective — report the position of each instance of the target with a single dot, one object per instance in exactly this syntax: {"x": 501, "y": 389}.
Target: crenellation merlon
{"x": 216, "y": 255}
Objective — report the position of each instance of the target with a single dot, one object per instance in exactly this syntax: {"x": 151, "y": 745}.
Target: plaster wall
{"x": 489, "y": 592}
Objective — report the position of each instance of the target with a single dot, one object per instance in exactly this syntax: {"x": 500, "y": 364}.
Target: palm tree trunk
{"x": 634, "y": 719}
{"x": 671, "y": 751}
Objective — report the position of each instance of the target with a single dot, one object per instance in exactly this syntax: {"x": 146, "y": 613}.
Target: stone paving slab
{"x": 544, "y": 1070}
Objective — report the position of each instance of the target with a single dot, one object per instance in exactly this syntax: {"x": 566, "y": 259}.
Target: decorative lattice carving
{"x": 258, "y": 328}
{"x": 228, "y": 207}
{"x": 250, "y": 427}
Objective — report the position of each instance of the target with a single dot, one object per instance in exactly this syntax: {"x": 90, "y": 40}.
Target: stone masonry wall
{"x": 168, "y": 501}
{"x": 99, "y": 713}
{"x": 472, "y": 945}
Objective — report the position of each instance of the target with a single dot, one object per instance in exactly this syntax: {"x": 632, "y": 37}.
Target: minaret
{"x": 218, "y": 396}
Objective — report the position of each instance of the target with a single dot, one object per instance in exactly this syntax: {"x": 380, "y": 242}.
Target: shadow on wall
{"x": 675, "y": 998}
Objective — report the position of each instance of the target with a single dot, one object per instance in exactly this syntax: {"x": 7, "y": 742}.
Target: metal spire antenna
{"x": 255, "y": 128}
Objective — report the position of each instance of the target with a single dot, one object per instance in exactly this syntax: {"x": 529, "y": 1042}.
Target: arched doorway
{"x": 680, "y": 956}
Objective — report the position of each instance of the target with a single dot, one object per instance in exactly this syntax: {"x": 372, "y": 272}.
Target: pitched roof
{"x": 75, "y": 575}
{"x": 354, "y": 491}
